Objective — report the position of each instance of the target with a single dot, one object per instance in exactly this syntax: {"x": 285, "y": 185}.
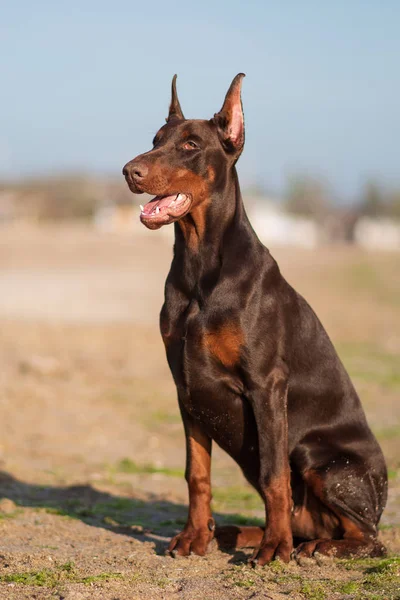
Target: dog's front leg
{"x": 270, "y": 411}
{"x": 199, "y": 529}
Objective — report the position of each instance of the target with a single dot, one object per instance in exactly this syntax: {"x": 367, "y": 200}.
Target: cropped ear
{"x": 230, "y": 119}
{"x": 175, "y": 111}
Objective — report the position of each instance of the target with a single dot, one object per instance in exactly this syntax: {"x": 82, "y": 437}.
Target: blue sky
{"x": 85, "y": 84}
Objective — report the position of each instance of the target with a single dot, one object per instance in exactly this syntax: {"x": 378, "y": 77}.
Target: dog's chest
{"x": 200, "y": 349}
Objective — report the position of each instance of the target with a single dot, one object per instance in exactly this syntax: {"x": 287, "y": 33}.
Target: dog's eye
{"x": 190, "y": 145}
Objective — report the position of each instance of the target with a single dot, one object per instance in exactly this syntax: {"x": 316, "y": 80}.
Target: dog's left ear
{"x": 230, "y": 119}
{"x": 175, "y": 111}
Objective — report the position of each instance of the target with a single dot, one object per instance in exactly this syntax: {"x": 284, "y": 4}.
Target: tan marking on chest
{"x": 225, "y": 343}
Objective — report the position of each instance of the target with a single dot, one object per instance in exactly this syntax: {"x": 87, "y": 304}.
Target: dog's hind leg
{"x": 354, "y": 495}
{"x": 234, "y": 536}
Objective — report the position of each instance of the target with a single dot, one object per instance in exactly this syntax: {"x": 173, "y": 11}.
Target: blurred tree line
{"x": 311, "y": 197}
{"x": 377, "y": 202}
{"x": 61, "y": 197}
{"x": 77, "y": 196}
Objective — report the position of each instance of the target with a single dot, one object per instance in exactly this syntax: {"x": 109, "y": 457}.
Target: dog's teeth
{"x": 157, "y": 210}
{"x": 141, "y": 207}
{"x": 179, "y": 197}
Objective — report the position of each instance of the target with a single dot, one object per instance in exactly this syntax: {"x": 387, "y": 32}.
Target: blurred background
{"x": 85, "y": 393}
{"x": 85, "y": 87}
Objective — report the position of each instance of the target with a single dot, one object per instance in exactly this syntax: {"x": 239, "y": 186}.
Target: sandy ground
{"x": 91, "y": 444}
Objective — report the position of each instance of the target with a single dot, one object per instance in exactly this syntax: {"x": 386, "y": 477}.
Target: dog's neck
{"x": 214, "y": 237}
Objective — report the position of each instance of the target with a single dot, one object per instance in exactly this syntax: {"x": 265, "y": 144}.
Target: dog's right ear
{"x": 230, "y": 120}
{"x": 175, "y": 111}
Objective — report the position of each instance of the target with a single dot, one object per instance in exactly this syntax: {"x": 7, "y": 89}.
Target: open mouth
{"x": 162, "y": 210}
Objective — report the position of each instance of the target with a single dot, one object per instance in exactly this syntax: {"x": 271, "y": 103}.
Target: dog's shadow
{"x": 152, "y": 520}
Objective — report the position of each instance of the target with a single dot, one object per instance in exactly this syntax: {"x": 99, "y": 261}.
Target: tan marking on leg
{"x": 278, "y": 496}
{"x": 198, "y": 479}
{"x": 200, "y": 526}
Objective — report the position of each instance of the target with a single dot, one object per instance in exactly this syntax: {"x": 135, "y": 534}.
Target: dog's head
{"x": 189, "y": 160}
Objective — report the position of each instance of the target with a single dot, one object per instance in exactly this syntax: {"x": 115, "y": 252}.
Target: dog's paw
{"x": 192, "y": 541}
{"x": 270, "y": 550}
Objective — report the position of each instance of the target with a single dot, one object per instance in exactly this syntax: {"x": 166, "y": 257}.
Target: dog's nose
{"x": 137, "y": 170}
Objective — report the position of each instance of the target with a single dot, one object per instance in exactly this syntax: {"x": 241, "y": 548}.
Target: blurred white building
{"x": 377, "y": 234}
{"x": 272, "y": 225}
{"x": 276, "y": 227}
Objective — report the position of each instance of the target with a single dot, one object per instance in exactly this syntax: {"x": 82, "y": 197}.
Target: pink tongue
{"x": 160, "y": 202}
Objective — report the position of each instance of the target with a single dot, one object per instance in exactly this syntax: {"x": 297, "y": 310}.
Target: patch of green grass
{"x": 314, "y": 590}
{"x": 350, "y": 587}
{"x": 384, "y": 578}
{"x": 162, "y": 582}
{"x": 11, "y": 515}
{"x": 50, "y": 578}
{"x": 366, "y": 278}
{"x": 236, "y": 519}
{"x": 43, "y": 578}
{"x": 126, "y": 465}
{"x": 368, "y": 579}
{"x": 242, "y": 576}
{"x": 371, "y": 364}
{"x": 369, "y": 564}
{"x": 378, "y": 578}
{"x": 54, "y": 510}
{"x": 96, "y": 578}
{"x": 121, "y": 512}
{"x": 373, "y": 579}
{"x": 389, "y": 527}
{"x": 392, "y": 473}
{"x": 118, "y": 511}
{"x": 388, "y": 433}
{"x": 116, "y": 505}
{"x": 362, "y": 275}
{"x": 245, "y": 576}
{"x": 245, "y": 583}
{"x": 167, "y": 522}
{"x": 163, "y": 417}
{"x": 385, "y": 565}
{"x": 277, "y": 567}
{"x": 236, "y": 496}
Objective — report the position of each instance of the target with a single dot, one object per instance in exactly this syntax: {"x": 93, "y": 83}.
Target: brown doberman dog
{"x": 254, "y": 368}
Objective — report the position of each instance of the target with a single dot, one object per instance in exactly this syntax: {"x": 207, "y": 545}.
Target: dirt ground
{"x": 91, "y": 444}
